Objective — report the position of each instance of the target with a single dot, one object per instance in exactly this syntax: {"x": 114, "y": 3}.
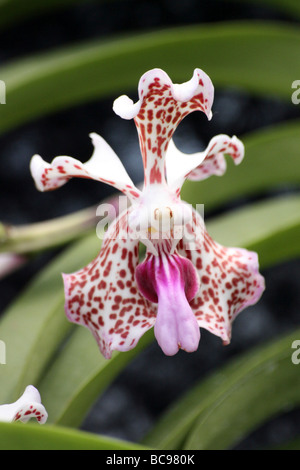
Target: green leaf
{"x": 291, "y": 7}
{"x": 18, "y": 436}
{"x": 34, "y": 325}
{"x": 220, "y": 411}
{"x": 235, "y": 55}
{"x": 14, "y": 11}
{"x": 68, "y": 401}
{"x": 270, "y": 227}
{"x": 267, "y": 383}
{"x": 271, "y": 162}
{"x": 292, "y": 445}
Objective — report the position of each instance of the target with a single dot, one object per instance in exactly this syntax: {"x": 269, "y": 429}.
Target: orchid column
{"x": 119, "y": 299}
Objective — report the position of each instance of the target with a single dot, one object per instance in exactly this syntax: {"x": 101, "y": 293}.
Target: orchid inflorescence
{"x": 186, "y": 280}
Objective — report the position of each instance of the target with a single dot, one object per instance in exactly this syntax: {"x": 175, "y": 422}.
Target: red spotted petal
{"x": 201, "y": 165}
{"x": 229, "y": 281}
{"x": 26, "y": 407}
{"x": 161, "y": 107}
{"x": 104, "y": 166}
{"x": 104, "y": 296}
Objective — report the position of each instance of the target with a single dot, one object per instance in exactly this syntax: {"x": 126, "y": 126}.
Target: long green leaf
{"x": 17, "y": 436}
{"x": 259, "y": 57}
{"x": 291, "y": 7}
{"x": 271, "y": 227}
{"x": 88, "y": 373}
{"x": 292, "y": 445}
{"x": 34, "y": 325}
{"x": 14, "y": 11}
{"x": 232, "y": 401}
{"x": 265, "y": 384}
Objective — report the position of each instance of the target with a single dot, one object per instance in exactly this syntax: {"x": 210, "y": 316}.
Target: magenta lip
{"x": 171, "y": 281}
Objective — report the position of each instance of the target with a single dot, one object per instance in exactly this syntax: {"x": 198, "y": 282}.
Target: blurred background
{"x": 152, "y": 381}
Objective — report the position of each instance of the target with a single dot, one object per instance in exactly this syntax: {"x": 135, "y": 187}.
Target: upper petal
{"x": 26, "y": 407}
{"x": 229, "y": 281}
{"x": 104, "y": 296}
{"x": 104, "y": 166}
{"x": 199, "y": 166}
{"x": 161, "y": 106}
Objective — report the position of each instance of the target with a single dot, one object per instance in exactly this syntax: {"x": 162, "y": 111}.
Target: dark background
{"x": 153, "y": 381}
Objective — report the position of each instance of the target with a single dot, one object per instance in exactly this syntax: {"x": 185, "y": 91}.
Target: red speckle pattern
{"x": 229, "y": 281}
{"x": 35, "y": 410}
{"x": 159, "y": 115}
{"x": 214, "y": 162}
{"x": 104, "y": 296}
{"x": 62, "y": 169}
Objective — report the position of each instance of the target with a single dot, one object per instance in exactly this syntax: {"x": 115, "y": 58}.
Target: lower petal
{"x": 230, "y": 281}
{"x": 104, "y": 296}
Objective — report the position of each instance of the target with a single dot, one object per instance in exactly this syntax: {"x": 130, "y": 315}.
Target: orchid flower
{"x": 186, "y": 280}
{"x": 26, "y": 407}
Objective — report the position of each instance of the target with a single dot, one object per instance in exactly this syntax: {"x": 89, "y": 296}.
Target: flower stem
{"x": 32, "y": 238}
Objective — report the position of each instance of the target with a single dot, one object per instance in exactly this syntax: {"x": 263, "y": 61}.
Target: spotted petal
{"x": 104, "y": 296}
{"x": 201, "y": 165}
{"x": 26, "y": 407}
{"x": 104, "y": 166}
{"x": 161, "y": 107}
{"x": 229, "y": 281}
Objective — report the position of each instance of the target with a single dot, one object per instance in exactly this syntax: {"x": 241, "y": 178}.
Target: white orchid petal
{"x": 26, "y": 407}
{"x": 104, "y": 166}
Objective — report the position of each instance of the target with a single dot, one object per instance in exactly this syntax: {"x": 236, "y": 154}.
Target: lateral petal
{"x": 199, "y": 166}
{"x": 104, "y": 166}
{"x": 104, "y": 296}
{"x": 229, "y": 281}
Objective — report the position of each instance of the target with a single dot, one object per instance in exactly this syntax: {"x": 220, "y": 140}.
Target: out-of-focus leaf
{"x": 34, "y": 325}
{"x": 88, "y": 373}
{"x": 233, "y": 401}
{"x": 17, "y": 436}
{"x": 14, "y": 11}
{"x": 272, "y": 160}
{"x": 265, "y": 385}
{"x": 292, "y": 445}
{"x": 271, "y": 228}
{"x": 291, "y": 7}
{"x": 236, "y": 55}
